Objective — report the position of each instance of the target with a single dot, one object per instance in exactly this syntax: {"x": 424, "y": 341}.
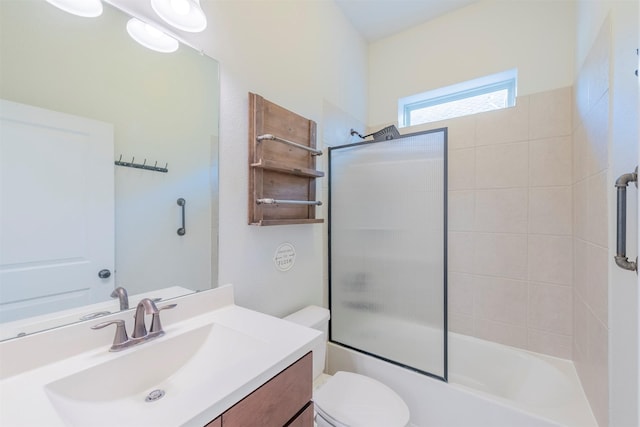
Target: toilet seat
{"x": 353, "y": 400}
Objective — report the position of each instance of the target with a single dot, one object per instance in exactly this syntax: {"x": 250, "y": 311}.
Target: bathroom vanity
{"x": 283, "y": 400}
{"x": 217, "y": 365}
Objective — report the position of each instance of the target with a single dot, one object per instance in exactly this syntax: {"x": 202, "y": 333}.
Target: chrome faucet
{"x": 145, "y": 306}
{"x": 121, "y": 294}
{"x": 140, "y": 334}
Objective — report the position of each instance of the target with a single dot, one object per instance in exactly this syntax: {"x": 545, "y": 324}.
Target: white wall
{"x": 490, "y": 36}
{"x": 305, "y": 56}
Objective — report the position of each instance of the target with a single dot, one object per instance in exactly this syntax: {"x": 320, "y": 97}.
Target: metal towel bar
{"x": 287, "y": 202}
{"x": 182, "y": 230}
{"x": 270, "y": 137}
{"x": 621, "y": 219}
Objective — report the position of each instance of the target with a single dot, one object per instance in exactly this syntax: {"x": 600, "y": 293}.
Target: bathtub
{"x": 490, "y": 385}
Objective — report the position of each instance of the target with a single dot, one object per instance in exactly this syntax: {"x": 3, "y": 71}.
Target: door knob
{"x": 104, "y": 274}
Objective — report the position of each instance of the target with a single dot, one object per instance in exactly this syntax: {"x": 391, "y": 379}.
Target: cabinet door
{"x": 305, "y": 419}
{"x": 276, "y": 402}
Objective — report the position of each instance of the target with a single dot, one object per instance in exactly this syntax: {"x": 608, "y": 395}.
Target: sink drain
{"x": 154, "y": 395}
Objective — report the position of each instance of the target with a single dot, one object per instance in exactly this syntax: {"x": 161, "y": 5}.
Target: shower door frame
{"x": 445, "y": 375}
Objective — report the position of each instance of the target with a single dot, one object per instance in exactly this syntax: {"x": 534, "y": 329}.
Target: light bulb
{"x": 153, "y": 32}
{"x": 84, "y": 8}
{"x": 181, "y": 7}
{"x": 185, "y": 15}
{"x": 151, "y": 37}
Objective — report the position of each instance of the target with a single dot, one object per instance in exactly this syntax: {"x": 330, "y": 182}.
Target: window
{"x": 474, "y": 96}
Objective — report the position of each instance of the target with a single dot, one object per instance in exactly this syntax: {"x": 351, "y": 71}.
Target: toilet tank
{"x": 317, "y": 318}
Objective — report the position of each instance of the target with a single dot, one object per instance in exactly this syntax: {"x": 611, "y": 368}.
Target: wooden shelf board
{"x": 284, "y": 168}
{"x": 267, "y": 222}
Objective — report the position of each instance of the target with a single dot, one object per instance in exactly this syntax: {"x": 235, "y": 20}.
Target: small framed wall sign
{"x": 285, "y": 256}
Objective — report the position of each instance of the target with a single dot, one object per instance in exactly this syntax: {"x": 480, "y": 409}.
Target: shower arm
{"x": 354, "y": 132}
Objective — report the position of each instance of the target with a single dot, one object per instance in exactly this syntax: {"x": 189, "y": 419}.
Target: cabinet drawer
{"x": 215, "y": 423}
{"x": 277, "y": 401}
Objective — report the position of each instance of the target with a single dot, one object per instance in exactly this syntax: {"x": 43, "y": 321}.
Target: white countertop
{"x": 29, "y": 364}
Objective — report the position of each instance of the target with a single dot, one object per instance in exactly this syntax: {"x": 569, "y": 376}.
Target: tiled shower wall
{"x": 510, "y": 251}
{"x": 528, "y": 234}
{"x": 590, "y": 236}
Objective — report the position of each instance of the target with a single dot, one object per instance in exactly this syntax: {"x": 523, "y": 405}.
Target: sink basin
{"x": 184, "y": 367}
{"x": 213, "y": 355}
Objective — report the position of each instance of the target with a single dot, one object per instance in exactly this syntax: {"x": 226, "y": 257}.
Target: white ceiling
{"x": 376, "y": 19}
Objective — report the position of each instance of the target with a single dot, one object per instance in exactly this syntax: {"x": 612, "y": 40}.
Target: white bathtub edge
{"x": 433, "y": 402}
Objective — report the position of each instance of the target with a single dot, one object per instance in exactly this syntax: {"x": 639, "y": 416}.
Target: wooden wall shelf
{"x": 282, "y": 165}
{"x": 284, "y": 168}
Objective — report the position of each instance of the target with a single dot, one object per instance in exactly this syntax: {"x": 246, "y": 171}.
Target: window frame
{"x": 500, "y": 81}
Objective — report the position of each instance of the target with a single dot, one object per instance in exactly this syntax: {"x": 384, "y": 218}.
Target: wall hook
{"x": 142, "y": 165}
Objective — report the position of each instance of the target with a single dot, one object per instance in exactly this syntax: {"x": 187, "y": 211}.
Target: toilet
{"x": 347, "y": 399}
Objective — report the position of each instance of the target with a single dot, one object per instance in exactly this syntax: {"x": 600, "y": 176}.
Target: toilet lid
{"x": 358, "y": 401}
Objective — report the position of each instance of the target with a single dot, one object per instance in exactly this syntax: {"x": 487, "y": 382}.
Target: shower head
{"x": 386, "y": 134}
{"x": 390, "y": 132}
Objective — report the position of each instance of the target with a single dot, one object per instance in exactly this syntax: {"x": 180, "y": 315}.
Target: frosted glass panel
{"x": 387, "y": 244}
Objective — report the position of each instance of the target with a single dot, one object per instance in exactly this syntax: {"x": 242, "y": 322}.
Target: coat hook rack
{"x": 144, "y": 165}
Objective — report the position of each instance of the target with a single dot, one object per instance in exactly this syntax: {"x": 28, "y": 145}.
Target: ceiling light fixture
{"x": 185, "y": 15}
{"x": 85, "y": 8}
{"x": 151, "y": 37}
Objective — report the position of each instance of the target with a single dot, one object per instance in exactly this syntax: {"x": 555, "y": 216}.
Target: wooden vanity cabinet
{"x": 304, "y": 419}
{"x": 284, "y": 400}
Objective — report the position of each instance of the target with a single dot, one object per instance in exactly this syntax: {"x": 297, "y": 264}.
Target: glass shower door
{"x": 387, "y": 245}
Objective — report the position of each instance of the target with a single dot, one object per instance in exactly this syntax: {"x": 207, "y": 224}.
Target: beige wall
{"x": 487, "y": 37}
{"x": 510, "y": 224}
{"x": 510, "y": 171}
{"x": 590, "y": 237}
{"x": 498, "y": 289}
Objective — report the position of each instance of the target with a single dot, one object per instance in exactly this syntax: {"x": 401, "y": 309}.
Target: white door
{"x": 637, "y": 111}
{"x": 56, "y": 210}
{"x": 624, "y": 291}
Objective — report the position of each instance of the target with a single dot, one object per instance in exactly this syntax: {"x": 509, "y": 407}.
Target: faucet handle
{"x": 167, "y": 307}
{"x": 156, "y": 326}
{"x": 121, "y": 336}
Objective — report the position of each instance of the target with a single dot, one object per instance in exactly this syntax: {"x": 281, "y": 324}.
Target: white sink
{"x": 214, "y": 354}
{"x": 114, "y": 393}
